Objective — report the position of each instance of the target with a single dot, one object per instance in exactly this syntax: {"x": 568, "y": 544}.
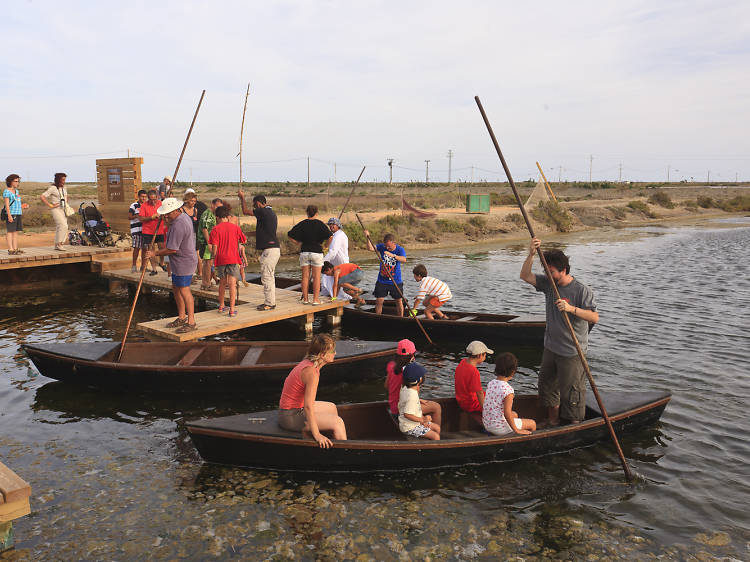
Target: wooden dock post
{"x": 334, "y": 317}
{"x": 14, "y": 503}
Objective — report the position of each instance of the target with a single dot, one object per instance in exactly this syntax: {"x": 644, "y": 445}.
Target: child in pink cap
{"x": 405, "y": 352}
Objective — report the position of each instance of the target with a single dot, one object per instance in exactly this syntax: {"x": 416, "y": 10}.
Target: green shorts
{"x": 562, "y": 382}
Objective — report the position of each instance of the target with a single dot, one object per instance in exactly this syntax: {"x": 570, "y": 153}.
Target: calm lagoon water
{"x": 115, "y": 476}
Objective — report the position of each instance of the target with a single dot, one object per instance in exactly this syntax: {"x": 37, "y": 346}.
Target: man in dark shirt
{"x": 267, "y": 242}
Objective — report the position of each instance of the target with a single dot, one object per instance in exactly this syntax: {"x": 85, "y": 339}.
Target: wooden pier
{"x": 210, "y": 322}
{"x": 41, "y": 256}
{"x": 14, "y": 503}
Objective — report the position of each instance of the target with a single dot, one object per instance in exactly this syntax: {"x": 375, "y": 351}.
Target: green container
{"x": 478, "y": 203}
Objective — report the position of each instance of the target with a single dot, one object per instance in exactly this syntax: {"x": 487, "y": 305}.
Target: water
{"x": 115, "y": 476}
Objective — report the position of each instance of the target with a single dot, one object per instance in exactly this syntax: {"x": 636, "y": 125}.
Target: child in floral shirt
{"x": 498, "y": 416}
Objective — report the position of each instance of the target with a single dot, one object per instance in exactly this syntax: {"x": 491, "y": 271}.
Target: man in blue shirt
{"x": 393, "y": 256}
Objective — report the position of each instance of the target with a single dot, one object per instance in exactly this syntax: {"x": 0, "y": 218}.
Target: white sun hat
{"x": 168, "y": 205}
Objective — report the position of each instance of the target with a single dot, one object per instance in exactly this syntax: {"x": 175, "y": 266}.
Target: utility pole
{"x": 427, "y": 171}
{"x": 668, "y": 166}
{"x": 591, "y": 166}
{"x": 736, "y": 175}
{"x": 308, "y": 171}
{"x": 620, "y": 180}
{"x": 334, "y": 172}
{"x": 472, "y": 174}
{"x": 390, "y": 167}
{"x": 191, "y": 177}
{"x": 559, "y": 174}
{"x": 708, "y": 180}
{"x": 128, "y": 153}
{"x": 450, "y": 160}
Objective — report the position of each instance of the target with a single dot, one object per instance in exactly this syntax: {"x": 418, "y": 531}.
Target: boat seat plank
{"x": 191, "y": 356}
{"x": 252, "y": 356}
{"x": 467, "y": 318}
{"x": 13, "y": 488}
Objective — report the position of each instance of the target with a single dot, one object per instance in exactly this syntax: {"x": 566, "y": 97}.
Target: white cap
{"x": 477, "y": 348}
{"x": 189, "y": 190}
{"x": 168, "y": 205}
{"x": 168, "y": 178}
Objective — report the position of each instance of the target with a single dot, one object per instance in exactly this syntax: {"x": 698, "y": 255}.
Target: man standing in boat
{"x": 562, "y": 382}
{"x": 392, "y": 256}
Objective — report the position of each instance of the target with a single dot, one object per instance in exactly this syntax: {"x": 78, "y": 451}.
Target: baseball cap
{"x": 406, "y": 347}
{"x": 413, "y": 373}
{"x": 477, "y": 348}
{"x": 336, "y": 221}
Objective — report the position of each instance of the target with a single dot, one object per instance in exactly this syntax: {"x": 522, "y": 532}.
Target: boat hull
{"x": 234, "y": 441}
{"x": 82, "y": 364}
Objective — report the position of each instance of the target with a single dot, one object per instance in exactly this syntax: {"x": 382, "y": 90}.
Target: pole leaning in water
{"x": 383, "y": 268}
{"x": 625, "y": 467}
{"x": 341, "y": 214}
{"x": 153, "y": 238}
{"x": 179, "y": 161}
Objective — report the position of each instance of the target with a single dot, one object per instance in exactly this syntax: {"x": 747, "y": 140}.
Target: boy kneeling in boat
{"x": 433, "y": 291}
{"x": 346, "y": 276}
{"x": 298, "y": 409}
{"x": 411, "y": 421}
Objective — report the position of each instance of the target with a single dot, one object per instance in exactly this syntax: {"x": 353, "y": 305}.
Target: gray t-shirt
{"x": 557, "y": 336}
{"x": 181, "y": 237}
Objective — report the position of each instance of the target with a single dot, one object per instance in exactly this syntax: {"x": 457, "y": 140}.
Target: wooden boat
{"x": 497, "y": 328}
{"x": 500, "y": 328}
{"x": 375, "y": 443}
{"x": 201, "y": 366}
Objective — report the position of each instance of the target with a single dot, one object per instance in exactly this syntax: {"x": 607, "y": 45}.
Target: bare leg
{"x": 206, "y": 275}
{"x": 305, "y": 283}
{"x": 316, "y": 283}
{"x": 232, "y": 291}
{"x": 326, "y": 414}
{"x": 428, "y": 310}
{"x": 135, "y": 256}
{"x": 180, "y": 301}
{"x": 379, "y": 305}
{"x": 433, "y": 409}
{"x": 189, "y": 303}
{"x": 222, "y": 288}
{"x": 400, "y": 307}
{"x": 553, "y": 415}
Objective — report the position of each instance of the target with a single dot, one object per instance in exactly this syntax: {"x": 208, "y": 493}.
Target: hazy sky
{"x": 643, "y": 84}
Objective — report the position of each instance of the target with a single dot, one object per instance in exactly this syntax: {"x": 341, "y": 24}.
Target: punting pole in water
{"x": 625, "y": 467}
{"x": 341, "y": 214}
{"x": 153, "y": 238}
{"x": 177, "y": 168}
{"x": 383, "y": 268}
{"x": 137, "y": 292}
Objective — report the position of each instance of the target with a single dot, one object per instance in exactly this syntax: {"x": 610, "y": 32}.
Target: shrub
{"x": 642, "y": 207}
{"x": 619, "y": 212}
{"x": 706, "y": 202}
{"x": 551, "y": 213}
{"x": 502, "y": 199}
{"x": 478, "y": 222}
{"x": 736, "y": 204}
{"x": 516, "y": 218}
{"x": 662, "y": 199}
{"x": 447, "y": 225}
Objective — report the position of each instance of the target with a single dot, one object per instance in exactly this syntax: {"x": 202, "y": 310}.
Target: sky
{"x": 631, "y": 90}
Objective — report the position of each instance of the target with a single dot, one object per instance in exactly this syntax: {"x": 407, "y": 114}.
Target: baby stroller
{"x": 95, "y": 230}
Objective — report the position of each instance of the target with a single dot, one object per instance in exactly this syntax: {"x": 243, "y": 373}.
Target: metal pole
{"x": 427, "y": 171}
{"x": 626, "y": 468}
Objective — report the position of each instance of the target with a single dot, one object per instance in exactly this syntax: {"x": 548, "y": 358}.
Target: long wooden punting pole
{"x": 153, "y": 238}
{"x": 341, "y": 214}
{"x": 242, "y": 130}
{"x": 383, "y": 268}
{"x": 177, "y": 168}
{"x": 546, "y": 183}
{"x": 625, "y": 467}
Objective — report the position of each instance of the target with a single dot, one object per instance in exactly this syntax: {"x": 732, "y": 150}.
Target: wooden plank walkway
{"x": 38, "y": 256}
{"x": 211, "y": 322}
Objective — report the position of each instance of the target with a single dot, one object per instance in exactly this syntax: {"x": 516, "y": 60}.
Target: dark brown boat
{"x": 375, "y": 443}
{"x": 500, "y": 328}
{"x": 201, "y": 366}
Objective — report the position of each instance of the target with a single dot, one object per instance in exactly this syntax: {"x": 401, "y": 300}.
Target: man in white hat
{"x": 180, "y": 248}
{"x": 469, "y": 393}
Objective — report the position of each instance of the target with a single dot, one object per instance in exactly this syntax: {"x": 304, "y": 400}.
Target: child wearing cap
{"x": 225, "y": 239}
{"x": 411, "y": 420}
{"x": 405, "y": 352}
{"x": 469, "y": 393}
{"x": 498, "y": 416}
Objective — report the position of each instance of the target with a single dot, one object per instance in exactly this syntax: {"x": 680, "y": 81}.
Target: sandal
{"x": 232, "y": 313}
{"x": 19, "y": 251}
{"x": 315, "y": 303}
{"x": 221, "y": 309}
{"x": 177, "y": 322}
{"x": 185, "y": 328}
{"x": 265, "y": 307}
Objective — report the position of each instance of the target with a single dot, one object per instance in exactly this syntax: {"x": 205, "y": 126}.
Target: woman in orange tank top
{"x": 298, "y": 409}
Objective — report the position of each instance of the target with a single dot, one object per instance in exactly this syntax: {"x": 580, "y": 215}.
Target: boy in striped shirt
{"x": 434, "y": 292}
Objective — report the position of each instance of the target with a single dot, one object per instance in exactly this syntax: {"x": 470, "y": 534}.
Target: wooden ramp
{"x": 47, "y": 255}
{"x": 211, "y": 322}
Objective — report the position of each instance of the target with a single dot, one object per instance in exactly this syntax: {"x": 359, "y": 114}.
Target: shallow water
{"x": 115, "y": 476}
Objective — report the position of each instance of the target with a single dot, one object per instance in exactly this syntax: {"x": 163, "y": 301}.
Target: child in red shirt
{"x": 469, "y": 393}
{"x": 225, "y": 239}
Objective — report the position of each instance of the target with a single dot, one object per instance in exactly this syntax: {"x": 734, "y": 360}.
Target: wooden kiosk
{"x": 118, "y": 181}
